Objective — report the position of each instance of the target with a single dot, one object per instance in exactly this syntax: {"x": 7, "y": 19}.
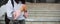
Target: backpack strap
{"x": 12, "y": 3}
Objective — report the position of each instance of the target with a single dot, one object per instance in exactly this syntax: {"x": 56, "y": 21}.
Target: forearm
{"x": 17, "y": 14}
{"x": 26, "y": 14}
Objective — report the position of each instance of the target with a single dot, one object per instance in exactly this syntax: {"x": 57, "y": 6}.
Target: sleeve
{"x": 23, "y": 1}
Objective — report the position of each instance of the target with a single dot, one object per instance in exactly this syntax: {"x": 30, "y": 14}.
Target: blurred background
{"x": 40, "y": 12}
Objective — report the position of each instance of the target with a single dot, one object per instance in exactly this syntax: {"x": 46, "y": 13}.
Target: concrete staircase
{"x": 2, "y": 19}
{"x": 43, "y": 13}
{"x": 2, "y": 15}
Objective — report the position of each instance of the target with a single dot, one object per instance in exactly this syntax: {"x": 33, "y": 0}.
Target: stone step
{"x": 36, "y": 18}
{"x": 42, "y": 22}
{"x": 44, "y": 13}
{"x": 2, "y": 22}
{"x": 43, "y": 8}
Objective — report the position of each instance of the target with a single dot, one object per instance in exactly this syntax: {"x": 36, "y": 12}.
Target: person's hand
{"x": 26, "y": 14}
{"x": 16, "y": 14}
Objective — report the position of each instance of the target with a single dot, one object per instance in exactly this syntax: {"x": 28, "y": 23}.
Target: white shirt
{"x": 11, "y": 9}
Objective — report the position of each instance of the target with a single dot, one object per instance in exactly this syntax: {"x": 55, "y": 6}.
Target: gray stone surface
{"x": 44, "y": 11}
